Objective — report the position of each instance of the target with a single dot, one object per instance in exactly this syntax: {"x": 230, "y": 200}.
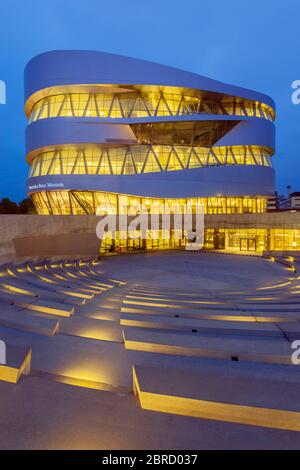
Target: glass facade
{"x": 252, "y": 239}
{"x": 129, "y": 160}
{"x": 230, "y": 240}
{"x": 135, "y": 104}
{"x": 92, "y": 202}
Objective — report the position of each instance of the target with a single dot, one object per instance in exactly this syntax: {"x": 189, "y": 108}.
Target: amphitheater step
{"x": 254, "y": 349}
{"x": 22, "y": 319}
{"x": 202, "y": 326}
{"x": 205, "y": 314}
{"x": 93, "y": 329}
{"x": 264, "y": 307}
{"x": 44, "y": 292}
{"x": 39, "y": 305}
{"x": 58, "y": 285}
{"x": 291, "y": 330}
{"x": 229, "y": 398}
{"x": 175, "y": 305}
{"x": 17, "y": 362}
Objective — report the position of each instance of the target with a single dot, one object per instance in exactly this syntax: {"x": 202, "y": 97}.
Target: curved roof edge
{"x": 67, "y": 67}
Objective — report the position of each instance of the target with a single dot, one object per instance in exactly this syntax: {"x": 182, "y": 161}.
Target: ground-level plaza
{"x": 151, "y": 351}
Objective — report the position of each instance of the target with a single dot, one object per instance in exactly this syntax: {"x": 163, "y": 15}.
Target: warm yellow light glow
{"x": 82, "y": 202}
{"x": 174, "y": 300}
{"x": 17, "y": 290}
{"x": 144, "y": 103}
{"x": 261, "y": 298}
{"x": 11, "y": 273}
{"x": 276, "y": 286}
{"x": 81, "y": 295}
{"x": 161, "y": 305}
{"x": 248, "y": 241}
{"x": 228, "y": 412}
{"x": 143, "y": 159}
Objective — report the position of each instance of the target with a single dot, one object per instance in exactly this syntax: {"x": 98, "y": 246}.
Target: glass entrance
{"x": 248, "y": 244}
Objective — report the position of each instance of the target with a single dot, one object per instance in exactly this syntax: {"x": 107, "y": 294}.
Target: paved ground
{"x": 195, "y": 313}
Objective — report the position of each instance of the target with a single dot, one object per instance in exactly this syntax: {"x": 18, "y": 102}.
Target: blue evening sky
{"x": 254, "y": 44}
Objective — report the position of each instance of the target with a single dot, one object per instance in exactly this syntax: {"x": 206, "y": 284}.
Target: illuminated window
{"x": 129, "y": 160}
{"x": 144, "y": 103}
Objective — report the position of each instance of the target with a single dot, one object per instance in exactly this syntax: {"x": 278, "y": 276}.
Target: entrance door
{"x": 248, "y": 244}
{"x": 219, "y": 239}
{"x": 251, "y": 244}
{"x": 244, "y": 244}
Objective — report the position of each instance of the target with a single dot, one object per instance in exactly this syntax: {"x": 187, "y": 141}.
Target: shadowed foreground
{"x": 209, "y": 337}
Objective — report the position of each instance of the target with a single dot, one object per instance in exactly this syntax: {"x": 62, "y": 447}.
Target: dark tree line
{"x": 10, "y": 207}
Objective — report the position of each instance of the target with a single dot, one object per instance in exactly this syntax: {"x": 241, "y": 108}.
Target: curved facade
{"x": 105, "y": 130}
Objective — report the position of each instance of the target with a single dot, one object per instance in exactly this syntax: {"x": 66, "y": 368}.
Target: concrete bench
{"x": 229, "y": 398}
{"x": 17, "y": 362}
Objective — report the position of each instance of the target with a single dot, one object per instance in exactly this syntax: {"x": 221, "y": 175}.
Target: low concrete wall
{"x": 35, "y": 236}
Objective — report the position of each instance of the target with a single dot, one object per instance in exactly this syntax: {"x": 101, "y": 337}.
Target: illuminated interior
{"x": 129, "y": 160}
{"x": 136, "y": 103}
{"x": 256, "y": 240}
{"x": 229, "y": 240}
{"x": 102, "y": 203}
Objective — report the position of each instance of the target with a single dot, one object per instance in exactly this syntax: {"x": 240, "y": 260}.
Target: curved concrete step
{"x": 216, "y": 327}
{"x": 23, "y": 287}
{"x": 218, "y": 397}
{"x": 23, "y": 320}
{"x": 91, "y": 328}
{"x": 71, "y": 296}
{"x": 254, "y": 349}
{"x": 72, "y": 285}
{"x": 40, "y": 305}
{"x": 17, "y": 362}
